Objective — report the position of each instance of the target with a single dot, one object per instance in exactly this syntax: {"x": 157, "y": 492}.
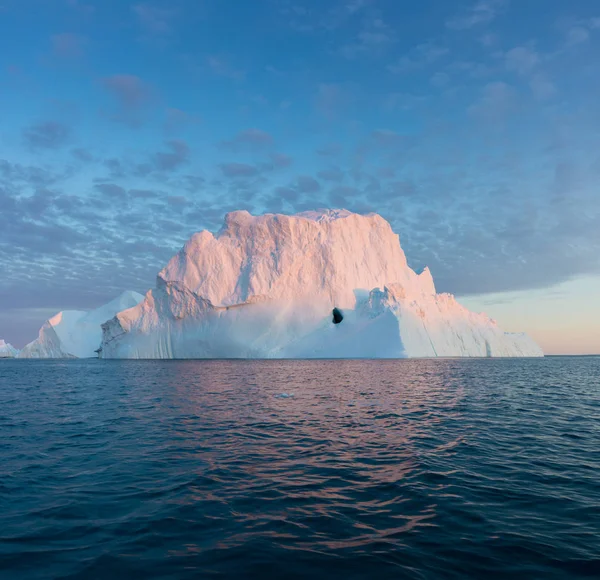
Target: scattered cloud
{"x": 541, "y": 87}
{"x": 331, "y": 174}
{"x": 83, "y": 8}
{"x": 177, "y": 120}
{"x": 577, "y": 35}
{"x": 68, "y": 45}
{"x": 82, "y": 154}
{"x": 221, "y": 67}
{"x": 131, "y": 94}
{"x": 302, "y": 16}
{"x": 373, "y": 40}
{"x": 46, "y": 135}
{"x": 332, "y": 98}
{"x": 497, "y": 99}
{"x": 111, "y": 190}
{"x": 403, "y": 101}
{"x": 521, "y": 60}
{"x": 306, "y": 184}
{"x": 153, "y": 19}
{"x": 129, "y": 90}
{"x": 480, "y": 13}
{"x": 329, "y": 150}
{"x": 178, "y": 154}
{"x": 420, "y": 56}
{"x": 488, "y": 39}
{"x": 440, "y": 80}
{"x": 287, "y": 193}
{"x": 280, "y": 160}
{"x": 238, "y": 170}
{"x": 249, "y": 139}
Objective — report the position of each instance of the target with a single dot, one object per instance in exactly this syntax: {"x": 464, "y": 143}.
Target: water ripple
{"x": 350, "y": 469}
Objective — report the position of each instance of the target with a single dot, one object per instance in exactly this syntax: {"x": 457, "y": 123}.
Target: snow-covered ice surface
{"x": 76, "y": 333}
{"x": 7, "y": 350}
{"x": 265, "y": 287}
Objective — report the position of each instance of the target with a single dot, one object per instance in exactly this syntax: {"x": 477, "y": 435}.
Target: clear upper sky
{"x": 473, "y": 126}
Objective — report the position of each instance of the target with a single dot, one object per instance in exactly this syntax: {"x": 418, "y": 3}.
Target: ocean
{"x": 300, "y": 469}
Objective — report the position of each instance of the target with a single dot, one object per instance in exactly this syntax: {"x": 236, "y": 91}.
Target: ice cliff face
{"x": 266, "y": 286}
{"x": 76, "y": 333}
{"x": 7, "y": 350}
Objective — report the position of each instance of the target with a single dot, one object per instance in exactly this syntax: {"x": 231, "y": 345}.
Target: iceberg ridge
{"x": 266, "y": 286}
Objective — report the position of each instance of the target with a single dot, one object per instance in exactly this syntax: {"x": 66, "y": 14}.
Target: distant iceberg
{"x": 76, "y": 333}
{"x": 7, "y": 350}
{"x": 326, "y": 284}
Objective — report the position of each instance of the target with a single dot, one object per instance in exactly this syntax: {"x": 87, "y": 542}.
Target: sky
{"x": 472, "y": 126}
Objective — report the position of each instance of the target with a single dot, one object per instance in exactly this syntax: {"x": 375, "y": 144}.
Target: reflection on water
{"x": 418, "y": 468}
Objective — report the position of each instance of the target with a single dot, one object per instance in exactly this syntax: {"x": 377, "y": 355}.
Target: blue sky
{"x": 472, "y": 126}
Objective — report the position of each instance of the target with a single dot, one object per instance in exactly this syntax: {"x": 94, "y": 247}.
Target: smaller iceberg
{"x": 77, "y": 333}
{"x": 7, "y": 350}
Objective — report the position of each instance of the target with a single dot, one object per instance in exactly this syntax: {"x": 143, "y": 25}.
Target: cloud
{"x": 82, "y": 7}
{"x": 46, "y": 135}
{"x": 238, "y": 170}
{"x": 131, "y": 95}
{"x": 488, "y": 39}
{"x": 177, "y": 200}
{"x": 220, "y": 66}
{"x": 353, "y": 6}
{"x": 420, "y": 56}
{"x": 340, "y": 196}
{"x": 577, "y": 35}
{"x": 332, "y": 99}
{"x": 249, "y": 139}
{"x": 308, "y": 18}
{"x": 374, "y": 39}
{"x": 306, "y": 184}
{"x": 496, "y": 100}
{"x": 178, "y": 155}
{"x": 439, "y": 80}
{"x": 143, "y": 194}
{"x": 68, "y": 45}
{"x": 329, "y": 150}
{"x": 129, "y": 90}
{"x": 331, "y": 174}
{"x": 111, "y": 190}
{"x": 287, "y": 193}
{"x": 33, "y": 176}
{"x": 480, "y": 13}
{"x": 541, "y": 87}
{"x": 178, "y": 120}
{"x": 403, "y": 101}
{"x": 386, "y": 138}
{"x": 153, "y": 19}
{"x": 521, "y": 60}
{"x": 82, "y": 154}
{"x": 116, "y": 168}
{"x": 280, "y": 160}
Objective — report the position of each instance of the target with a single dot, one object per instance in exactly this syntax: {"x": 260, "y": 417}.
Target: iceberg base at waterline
{"x": 76, "y": 333}
{"x": 7, "y": 350}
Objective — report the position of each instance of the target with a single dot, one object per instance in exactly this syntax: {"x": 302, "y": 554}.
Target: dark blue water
{"x": 295, "y": 469}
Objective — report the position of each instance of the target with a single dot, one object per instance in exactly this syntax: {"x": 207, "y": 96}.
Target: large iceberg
{"x": 327, "y": 284}
{"x": 7, "y": 350}
{"x": 76, "y": 333}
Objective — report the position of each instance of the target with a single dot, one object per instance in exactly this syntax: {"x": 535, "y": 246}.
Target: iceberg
{"x": 7, "y": 350}
{"x": 324, "y": 284}
{"x": 76, "y": 333}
